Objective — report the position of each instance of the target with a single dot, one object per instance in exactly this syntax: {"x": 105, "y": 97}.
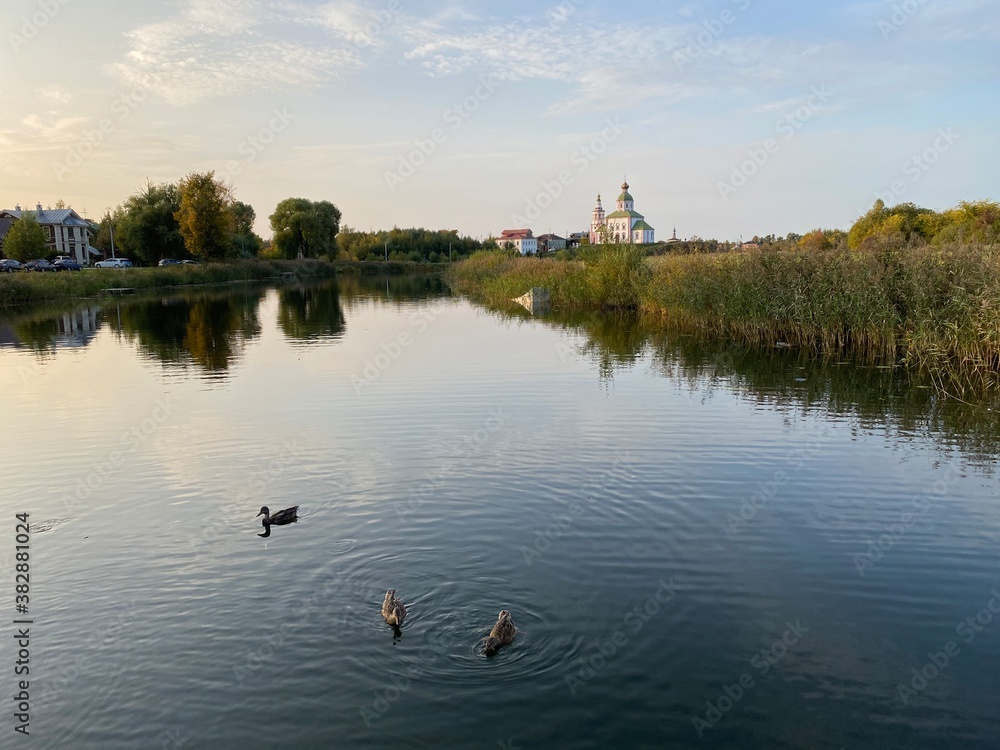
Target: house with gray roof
{"x": 66, "y": 232}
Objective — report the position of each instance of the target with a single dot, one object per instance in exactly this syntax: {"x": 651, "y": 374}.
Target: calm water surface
{"x": 701, "y": 546}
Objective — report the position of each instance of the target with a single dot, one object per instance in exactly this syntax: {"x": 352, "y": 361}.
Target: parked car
{"x": 114, "y": 263}
{"x": 67, "y": 265}
{"x": 9, "y": 265}
{"x": 62, "y": 257}
{"x": 39, "y": 264}
{"x": 190, "y": 263}
{"x": 169, "y": 262}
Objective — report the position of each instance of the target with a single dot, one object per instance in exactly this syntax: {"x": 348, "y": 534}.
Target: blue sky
{"x": 729, "y": 117}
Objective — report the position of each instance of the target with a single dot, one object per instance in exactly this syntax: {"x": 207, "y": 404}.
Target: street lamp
{"x": 387, "y": 252}
{"x": 111, "y": 228}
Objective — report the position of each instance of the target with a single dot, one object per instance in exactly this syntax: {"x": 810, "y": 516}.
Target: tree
{"x": 25, "y": 239}
{"x": 899, "y": 225}
{"x": 970, "y": 221}
{"x": 305, "y": 229}
{"x": 145, "y": 225}
{"x": 205, "y": 218}
{"x": 246, "y": 243}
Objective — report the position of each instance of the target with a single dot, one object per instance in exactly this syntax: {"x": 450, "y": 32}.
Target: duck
{"x": 393, "y": 610}
{"x": 288, "y": 515}
{"x": 501, "y": 635}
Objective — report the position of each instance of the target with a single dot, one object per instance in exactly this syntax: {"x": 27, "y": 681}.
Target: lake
{"x": 701, "y": 545}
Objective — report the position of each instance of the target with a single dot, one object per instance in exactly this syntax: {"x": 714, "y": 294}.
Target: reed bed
{"x": 935, "y": 309}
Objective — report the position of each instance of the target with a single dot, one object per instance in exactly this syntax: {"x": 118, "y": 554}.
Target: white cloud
{"x": 55, "y": 94}
{"x": 621, "y": 65}
{"x": 218, "y": 48}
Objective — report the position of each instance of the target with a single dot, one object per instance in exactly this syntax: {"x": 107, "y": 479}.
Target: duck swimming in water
{"x": 288, "y": 515}
{"x": 393, "y": 610}
{"x": 502, "y": 634}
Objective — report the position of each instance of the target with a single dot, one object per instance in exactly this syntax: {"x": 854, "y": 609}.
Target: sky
{"x": 729, "y": 118}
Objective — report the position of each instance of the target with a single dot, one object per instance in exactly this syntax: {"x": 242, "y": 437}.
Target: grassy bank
{"x": 935, "y": 309}
{"x": 31, "y": 288}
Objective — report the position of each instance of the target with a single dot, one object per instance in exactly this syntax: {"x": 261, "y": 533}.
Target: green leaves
{"x": 25, "y": 239}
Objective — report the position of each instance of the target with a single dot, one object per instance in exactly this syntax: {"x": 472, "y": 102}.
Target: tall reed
{"x": 934, "y": 309}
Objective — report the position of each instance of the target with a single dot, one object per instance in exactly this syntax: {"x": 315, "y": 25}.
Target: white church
{"x": 625, "y": 224}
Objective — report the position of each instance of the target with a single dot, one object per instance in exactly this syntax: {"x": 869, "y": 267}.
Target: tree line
{"x": 199, "y": 218}
{"x": 417, "y": 245}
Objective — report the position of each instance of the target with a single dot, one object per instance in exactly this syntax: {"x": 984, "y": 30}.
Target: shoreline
{"x": 25, "y": 288}
{"x": 935, "y": 310}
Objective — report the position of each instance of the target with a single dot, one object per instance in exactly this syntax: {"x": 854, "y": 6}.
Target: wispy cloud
{"x": 218, "y": 48}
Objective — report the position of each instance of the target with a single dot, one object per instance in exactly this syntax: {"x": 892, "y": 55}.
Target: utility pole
{"x": 111, "y": 228}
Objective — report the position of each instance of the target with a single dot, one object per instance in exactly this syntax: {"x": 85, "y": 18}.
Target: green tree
{"x": 25, "y": 239}
{"x": 970, "y": 221}
{"x": 145, "y": 225}
{"x": 204, "y": 217}
{"x": 246, "y": 244}
{"x": 303, "y": 228}
{"x": 899, "y": 225}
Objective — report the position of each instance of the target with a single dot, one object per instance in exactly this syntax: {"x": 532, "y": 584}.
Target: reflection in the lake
{"x": 209, "y": 329}
{"x": 877, "y": 398}
{"x": 309, "y": 313}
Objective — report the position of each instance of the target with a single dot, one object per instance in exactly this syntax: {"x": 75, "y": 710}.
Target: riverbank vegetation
{"x": 932, "y": 308}
{"x": 415, "y": 245}
{"x": 30, "y": 288}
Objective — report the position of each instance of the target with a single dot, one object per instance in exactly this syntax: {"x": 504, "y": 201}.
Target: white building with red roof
{"x": 522, "y": 239}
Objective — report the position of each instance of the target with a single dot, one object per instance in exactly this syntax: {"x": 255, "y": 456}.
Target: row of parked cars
{"x": 65, "y": 263}
{"x": 61, "y": 263}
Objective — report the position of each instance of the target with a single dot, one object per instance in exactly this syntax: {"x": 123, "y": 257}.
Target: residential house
{"x": 549, "y": 243}
{"x": 521, "y": 239}
{"x": 66, "y": 232}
